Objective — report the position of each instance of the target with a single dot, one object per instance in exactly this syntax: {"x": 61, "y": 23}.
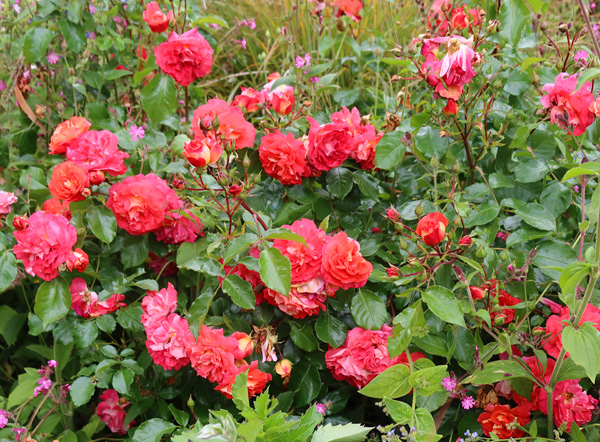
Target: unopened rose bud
{"x": 539, "y": 331}
{"x": 392, "y": 214}
{"x": 307, "y": 103}
{"x": 393, "y": 272}
{"x": 499, "y": 320}
{"x": 96, "y": 177}
{"x": 493, "y": 27}
{"x": 71, "y": 72}
{"x": 504, "y": 256}
{"x": 246, "y": 162}
{"x": 190, "y": 402}
{"x": 283, "y": 368}
{"x": 77, "y": 260}
{"x": 510, "y": 268}
{"x": 481, "y": 253}
{"x": 434, "y": 162}
{"x": 403, "y": 245}
{"x": 178, "y": 184}
{"x": 86, "y": 192}
{"x": 235, "y": 190}
{"x": 20, "y": 222}
{"x": 257, "y": 178}
{"x": 533, "y": 254}
{"x": 216, "y": 123}
{"x": 465, "y": 241}
{"x": 459, "y": 273}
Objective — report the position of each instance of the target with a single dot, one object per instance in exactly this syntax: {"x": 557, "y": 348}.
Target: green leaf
{"x": 85, "y": 334}
{"x": 444, "y": 305}
{"x": 238, "y": 245}
{"x": 426, "y": 425}
{"x": 587, "y": 75}
{"x": 576, "y": 434}
{"x": 497, "y": 371}
{"x": 11, "y": 323}
{"x": 429, "y": 142}
{"x": 482, "y": 214}
{"x": 392, "y": 383}
{"x": 275, "y": 271}
{"x": 129, "y": 318}
{"x": 209, "y": 266}
{"x": 531, "y": 170}
{"x": 428, "y": 380}
{"x": 159, "y": 98}
{"x": 537, "y": 216}
{"x": 306, "y": 382}
{"x": 74, "y": 35}
{"x": 339, "y": 182}
{"x": 531, "y": 60}
{"x": 82, "y": 390}
{"x": 583, "y": 346}
{"x": 517, "y": 83}
{"x": 283, "y": 233}
{"x": 303, "y": 336}
{"x": 347, "y": 98}
{"x": 551, "y": 257}
{"x": 390, "y": 151}
{"x": 152, "y": 430}
{"x": 24, "y": 390}
{"x": 115, "y": 74}
{"x": 36, "y": 44}
{"x": 368, "y": 310}
{"x": 591, "y": 168}
{"x": 340, "y": 433}
{"x": 122, "y": 380}
{"x": 331, "y": 330}
{"x": 570, "y": 278}
{"x": 102, "y": 223}
{"x": 514, "y": 15}
{"x": 8, "y": 264}
{"x": 400, "y": 412}
{"x": 135, "y": 251}
{"x": 52, "y": 301}
{"x": 240, "y": 291}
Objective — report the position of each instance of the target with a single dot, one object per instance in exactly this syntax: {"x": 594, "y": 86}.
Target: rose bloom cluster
{"x": 498, "y": 302}
{"x": 570, "y": 403}
{"x": 146, "y": 203}
{"x": 289, "y": 160}
{"x": 214, "y": 356}
{"x": 363, "y": 356}
{"x": 318, "y": 269}
{"x": 444, "y": 15}
{"x": 449, "y": 74}
{"x": 572, "y": 110}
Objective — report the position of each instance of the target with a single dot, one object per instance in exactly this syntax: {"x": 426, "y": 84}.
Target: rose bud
{"x": 465, "y": 241}
{"x": 235, "y": 190}
{"x": 20, "y": 222}
{"x": 77, "y": 260}
{"x": 201, "y": 152}
{"x": 96, "y": 177}
{"x": 476, "y": 293}
{"x": 432, "y": 228}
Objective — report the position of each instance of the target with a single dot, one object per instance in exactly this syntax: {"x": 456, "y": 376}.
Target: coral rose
{"x": 305, "y": 259}
{"x": 112, "y": 411}
{"x": 68, "y": 182}
{"x": 179, "y": 228}
{"x": 343, "y": 265}
{"x": 185, "y": 57}
{"x": 282, "y": 99}
{"x": 554, "y": 326}
{"x": 86, "y": 303}
{"x": 156, "y": 19}
{"x": 283, "y": 157}
{"x": 569, "y": 402}
{"x": 201, "y": 152}
{"x": 78, "y": 260}
{"x": 569, "y": 109}
{"x": 214, "y": 357}
{"x": 158, "y": 305}
{"x": 6, "y": 200}
{"x": 363, "y": 356}
{"x": 66, "y": 132}
{"x": 499, "y": 419}
{"x": 432, "y": 228}
{"x": 303, "y": 300}
{"x": 140, "y": 203}
{"x": 249, "y": 99}
{"x": 98, "y": 151}
{"x": 57, "y": 207}
{"x": 256, "y": 383}
{"x": 329, "y": 145}
{"x": 45, "y": 244}
{"x": 218, "y": 120}
{"x": 351, "y": 8}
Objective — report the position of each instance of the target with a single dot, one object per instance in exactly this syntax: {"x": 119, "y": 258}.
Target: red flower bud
{"x": 465, "y": 241}
{"x": 235, "y": 190}
{"x": 96, "y": 177}
{"x": 77, "y": 260}
{"x": 20, "y": 222}
{"x": 432, "y": 228}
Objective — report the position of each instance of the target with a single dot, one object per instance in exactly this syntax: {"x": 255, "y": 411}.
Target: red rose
{"x": 451, "y": 107}
{"x": 432, "y": 228}
{"x": 156, "y": 19}
{"x": 459, "y": 18}
{"x": 55, "y": 206}
{"x": 77, "y": 260}
{"x": 329, "y": 145}
{"x": 256, "y": 383}
{"x": 283, "y": 157}
{"x": 498, "y": 419}
{"x": 465, "y": 241}
{"x": 185, "y": 57}
{"x": 140, "y": 203}
{"x": 350, "y": 8}
{"x": 343, "y": 265}
{"x": 282, "y": 99}
{"x": 112, "y": 411}
{"x": 66, "y": 132}
{"x": 68, "y": 182}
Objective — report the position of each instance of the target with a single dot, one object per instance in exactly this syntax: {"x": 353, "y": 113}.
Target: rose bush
{"x": 344, "y": 221}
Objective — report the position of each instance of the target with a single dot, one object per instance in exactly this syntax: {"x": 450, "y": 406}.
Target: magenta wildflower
{"x": 2, "y": 85}
{"x": 137, "y": 132}
{"x": 449, "y": 383}
{"x": 3, "y": 418}
{"x": 92, "y": 9}
{"x": 242, "y": 42}
{"x": 52, "y": 57}
{"x": 468, "y": 402}
{"x": 321, "y": 408}
{"x": 52, "y": 363}
{"x": 314, "y": 79}
{"x": 581, "y": 55}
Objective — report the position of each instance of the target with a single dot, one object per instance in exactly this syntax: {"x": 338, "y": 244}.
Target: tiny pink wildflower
{"x": 52, "y": 57}
{"x": 137, "y": 132}
{"x": 449, "y": 383}
{"x": 468, "y": 402}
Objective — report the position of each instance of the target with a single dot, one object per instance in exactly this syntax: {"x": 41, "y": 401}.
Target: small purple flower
{"x": 3, "y": 419}
{"x": 314, "y": 80}
{"x": 137, "y": 132}
{"x": 2, "y": 85}
{"x": 468, "y": 402}
{"x": 52, "y": 57}
{"x": 321, "y": 408}
{"x": 581, "y": 56}
{"x": 242, "y": 42}
{"x": 92, "y": 9}
{"x": 52, "y": 363}
{"x": 449, "y": 383}
{"x": 302, "y": 62}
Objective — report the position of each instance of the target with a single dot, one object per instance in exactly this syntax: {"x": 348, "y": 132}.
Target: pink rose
{"x": 168, "y": 341}
{"x": 178, "y": 228}
{"x": 283, "y": 157}
{"x": 329, "y": 145}
{"x": 112, "y": 411}
{"x": 45, "y": 244}
{"x": 6, "y": 200}
{"x": 98, "y": 151}
{"x": 214, "y": 357}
